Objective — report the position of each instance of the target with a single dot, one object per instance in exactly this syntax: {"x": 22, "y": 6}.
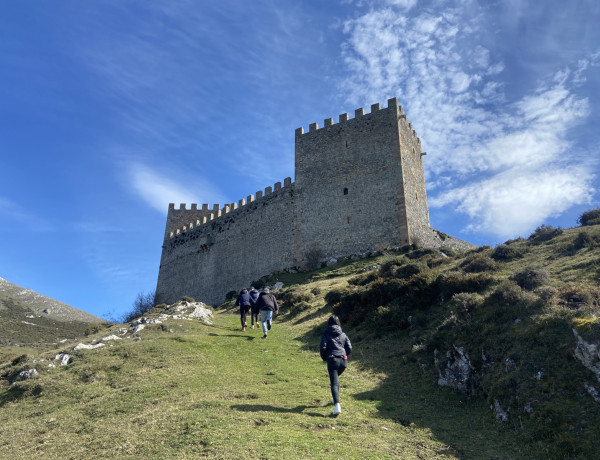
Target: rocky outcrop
{"x": 455, "y": 369}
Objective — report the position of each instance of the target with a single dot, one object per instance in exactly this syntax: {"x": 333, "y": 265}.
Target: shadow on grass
{"x": 269, "y": 408}
{"x": 407, "y": 395}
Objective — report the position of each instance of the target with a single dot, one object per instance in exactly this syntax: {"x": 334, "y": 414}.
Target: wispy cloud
{"x": 11, "y": 210}
{"x": 514, "y": 158}
{"x": 158, "y": 190}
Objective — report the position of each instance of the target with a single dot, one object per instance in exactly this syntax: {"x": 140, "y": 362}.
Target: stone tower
{"x": 360, "y": 184}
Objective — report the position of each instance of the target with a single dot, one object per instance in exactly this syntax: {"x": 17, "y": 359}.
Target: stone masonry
{"x": 359, "y": 187}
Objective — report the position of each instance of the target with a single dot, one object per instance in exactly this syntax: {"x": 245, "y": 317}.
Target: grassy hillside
{"x": 191, "y": 390}
{"x": 31, "y": 319}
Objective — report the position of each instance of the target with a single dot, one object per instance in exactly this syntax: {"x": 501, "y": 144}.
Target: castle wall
{"x": 230, "y": 251}
{"x": 359, "y": 187}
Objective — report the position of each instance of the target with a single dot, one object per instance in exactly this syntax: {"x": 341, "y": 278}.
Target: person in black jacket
{"x": 244, "y": 301}
{"x": 267, "y": 304}
{"x": 335, "y": 348}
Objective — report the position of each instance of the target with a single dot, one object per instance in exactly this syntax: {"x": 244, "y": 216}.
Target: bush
{"x": 364, "y": 278}
{"x": 408, "y": 270}
{"x": 448, "y": 284}
{"x": 188, "y": 299}
{"x": 583, "y": 240}
{"x": 544, "y": 233}
{"x": 313, "y": 258}
{"x": 466, "y": 302}
{"x": 505, "y": 252}
{"x": 96, "y": 327}
{"x": 478, "y": 264}
{"x": 230, "y": 295}
{"x": 335, "y": 295}
{"x": 531, "y": 277}
{"x": 315, "y": 291}
{"x": 507, "y": 294}
{"x": 141, "y": 304}
{"x": 591, "y": 217}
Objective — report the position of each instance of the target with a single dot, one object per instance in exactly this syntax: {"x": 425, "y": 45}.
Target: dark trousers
{"x": 335, "y": 367}
{"x": 243, "y": 312}
{"x": 254, "y": 315}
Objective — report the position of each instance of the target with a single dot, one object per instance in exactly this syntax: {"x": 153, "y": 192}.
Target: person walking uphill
{"x": 267, "y": 304}
{"x": 244, "y": 301}
{"x": 335, "y": 348}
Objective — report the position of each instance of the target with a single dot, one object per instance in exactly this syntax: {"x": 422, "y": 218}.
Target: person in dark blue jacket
{"x": 244, "y": 301}
{"x": 335, "y": 348}
{"x": 254, "y": 314}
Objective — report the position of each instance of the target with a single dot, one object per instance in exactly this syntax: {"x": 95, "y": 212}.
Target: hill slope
{"x": 488, "y": 354}
{"x": 29, "y": 318}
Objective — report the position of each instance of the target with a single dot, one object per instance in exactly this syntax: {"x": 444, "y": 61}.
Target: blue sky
{"x": 112, "y": 109}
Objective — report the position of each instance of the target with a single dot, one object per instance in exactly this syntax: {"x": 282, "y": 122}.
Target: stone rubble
{"x": 455, "y": 369}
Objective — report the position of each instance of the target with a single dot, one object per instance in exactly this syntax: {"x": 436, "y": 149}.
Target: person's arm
{"x": 323, "y": 348}
{"x": 276, "y": 306}
{"x": 347, "y": 346}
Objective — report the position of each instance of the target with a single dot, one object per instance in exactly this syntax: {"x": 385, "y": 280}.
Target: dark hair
{"x": 333, "y": 321}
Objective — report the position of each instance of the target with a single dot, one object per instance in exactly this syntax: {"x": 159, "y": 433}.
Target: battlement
{"x": 359, "y": 114}
{"x": 343, "y": 118}
{"x": 206, "y": 215}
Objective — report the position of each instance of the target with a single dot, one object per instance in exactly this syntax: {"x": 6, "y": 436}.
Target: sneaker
{"x": 252, "y": 327}
{"x": 264, "y": 336}
{"x": 337, "y": 409}
{"x": 269, "y": 325}
{"x": 244, "y": 328}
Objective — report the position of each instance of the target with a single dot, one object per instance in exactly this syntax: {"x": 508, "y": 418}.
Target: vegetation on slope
{"x": 217, "y": 392}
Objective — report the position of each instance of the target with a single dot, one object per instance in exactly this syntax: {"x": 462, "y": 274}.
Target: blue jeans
{"x": 265, "y": 315}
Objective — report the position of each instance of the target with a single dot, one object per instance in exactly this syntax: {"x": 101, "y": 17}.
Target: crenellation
{"x": 259, "y": 194}
{"x": 287, "y": 182}
{"x": 327, "y": 122}
{"x": 343, "y": 117}
{"x": 359, "y": 112}
{"x": 313, "y": 127}
{"x": 250, "y": 199}
{"x": 242, "y": 202}
{"x": 171, "y": 206}
{"x": 277, "y": 186}
{"x": 375, "y": 107}
{"x": 268, "y": 190}
{"x": 194, "y": 207}
{"x": 182, "y": 206}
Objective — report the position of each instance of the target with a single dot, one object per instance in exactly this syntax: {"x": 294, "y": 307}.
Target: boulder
{"x": 455, "y": 369}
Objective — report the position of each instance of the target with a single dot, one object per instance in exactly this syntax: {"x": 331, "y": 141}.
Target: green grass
{"x": 218, "y": 392}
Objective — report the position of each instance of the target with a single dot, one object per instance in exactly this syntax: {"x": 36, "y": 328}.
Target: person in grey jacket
{"x": 267, "y": 304}
{"x": 335, "y": 348}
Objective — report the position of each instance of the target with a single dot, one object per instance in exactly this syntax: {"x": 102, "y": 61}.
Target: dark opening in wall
{"x": 346, "y": 191}
{"x": 348, "y": 219}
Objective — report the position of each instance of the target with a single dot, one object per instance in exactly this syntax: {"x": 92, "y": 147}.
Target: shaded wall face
{"x": 229, "y": 252}
{"x": 349, "y": 181}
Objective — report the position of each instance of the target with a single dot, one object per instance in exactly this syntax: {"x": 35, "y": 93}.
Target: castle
{"x": 359, "y": 187}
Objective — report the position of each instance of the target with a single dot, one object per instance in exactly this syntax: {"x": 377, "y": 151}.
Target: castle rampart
{"x": 359, "y": 187}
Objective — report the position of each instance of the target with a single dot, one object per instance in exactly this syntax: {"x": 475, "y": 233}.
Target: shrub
{"x": 466, "y": 302}
{"x": 531, "y": 277}
{"x": 315, "y": 291}
{"x": 507, "y": 294}
{"x": 480, "y": 263}
{"x": 188, "y": 299}
{"x": 408, "y": 270}
{"x": 297, "y": 307}
{"x": 506, "y": 253}
{"x": 95, "y": 328}
{"x": 388, "y": 268}
{"x": 591, "y": 217}
{"x": 313, "y": 257}
{"x": 229, "y": 296}
{"x": 583, "y": 240}
{"x": 142, "y": 303}
{"x": 335, "y": 295}
{"x": 364, "y": 278}
{"x": 448, "y": 284}
{"x": 544, "y": 233}
{"x": 418, "y": 253}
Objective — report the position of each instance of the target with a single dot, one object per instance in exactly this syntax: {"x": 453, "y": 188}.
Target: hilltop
{"x": 490, "y": 353}
{"x": 29, "y": 318}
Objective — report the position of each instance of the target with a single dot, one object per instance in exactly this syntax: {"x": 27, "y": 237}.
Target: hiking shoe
{"x": 337, "y": 409}
{"x": 264, "y": 336}
{"x": 269, "y": 325}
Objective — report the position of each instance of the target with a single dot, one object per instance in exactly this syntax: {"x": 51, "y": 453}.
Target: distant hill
{"x": 29, "y": 318}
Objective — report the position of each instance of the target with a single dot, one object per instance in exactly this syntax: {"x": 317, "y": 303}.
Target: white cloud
{"x": 14, "y": 211}
{"x": 158, "y": 190}
{"x": 514, "y": 160}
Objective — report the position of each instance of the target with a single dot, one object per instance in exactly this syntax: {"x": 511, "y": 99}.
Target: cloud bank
{"x": 507, "y": 161}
